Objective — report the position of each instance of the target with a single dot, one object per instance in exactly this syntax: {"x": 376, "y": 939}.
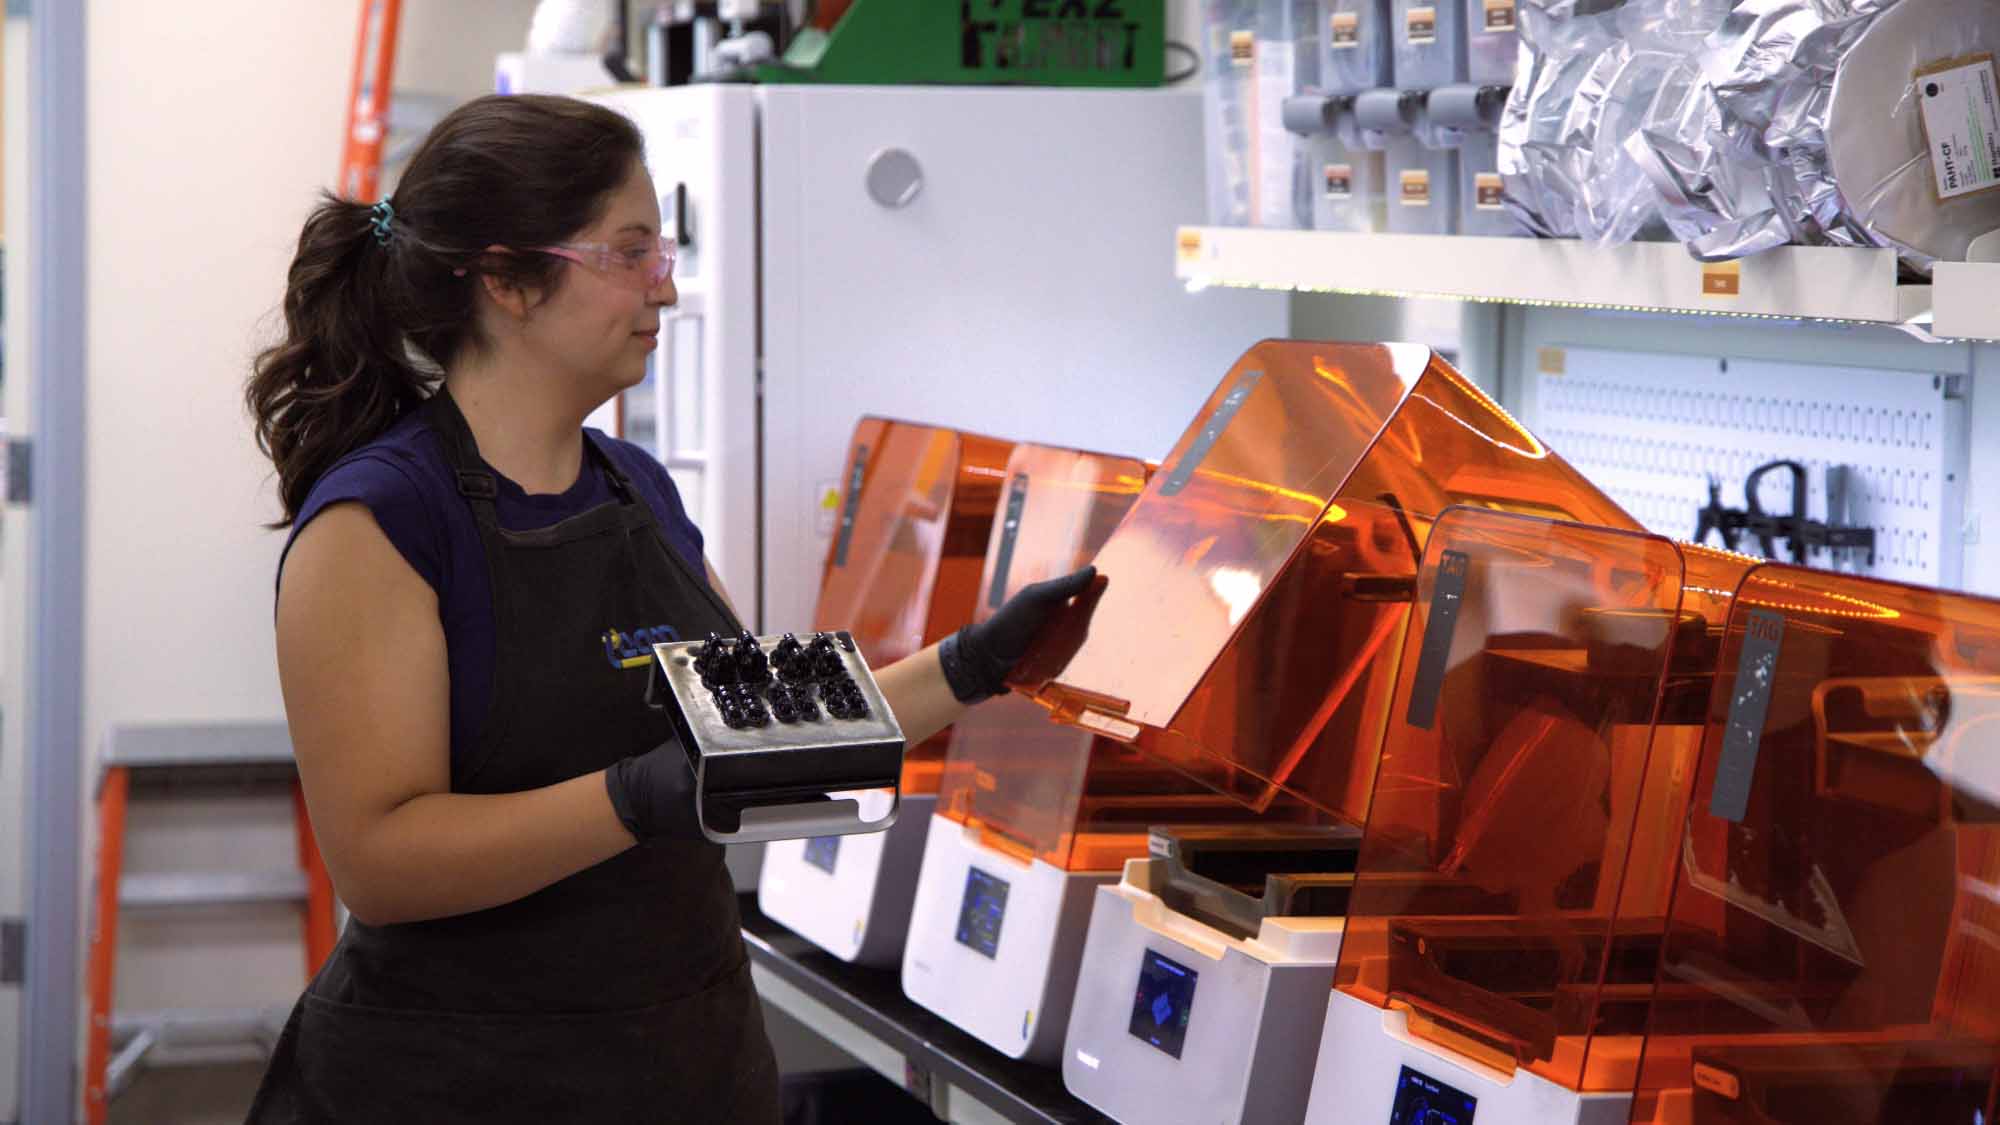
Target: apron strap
{"x": 478, "y": 484}
{"x": 475, "y": 482}
{"x": 621, "y": 485}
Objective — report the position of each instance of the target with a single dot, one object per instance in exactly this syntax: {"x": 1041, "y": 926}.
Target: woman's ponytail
{"x": 380, "y": 298}
{"x": 342, "y": 373}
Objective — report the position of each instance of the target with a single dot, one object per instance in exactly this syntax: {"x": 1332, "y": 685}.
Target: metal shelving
{"x": 1791, "y": 283}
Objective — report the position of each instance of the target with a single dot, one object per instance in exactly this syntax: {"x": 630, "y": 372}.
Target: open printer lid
{"x": 1257, "y": 591}
{"x": 1010, "y": 772}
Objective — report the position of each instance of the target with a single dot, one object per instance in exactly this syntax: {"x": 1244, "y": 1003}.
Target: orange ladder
{"x": 233, "y": 758}
{"x": 368, "y": 100}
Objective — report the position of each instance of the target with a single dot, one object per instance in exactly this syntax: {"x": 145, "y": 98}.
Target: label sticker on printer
{"x": 1420, "y": 25}
{"x": 1198, "y": 451}
{"x": 1961, "y": 118}
{"x": 1010, "y": 530}
{"x": 1345, "y": 29}
{"x": 1242, "y": 48}
{"x": 1416, "y": 184}
{"x": 1490, "y": 192}
{"x": 855, "y": 478}
{"x": 1749, "y": 702}
{"x": 1435, "y": 655}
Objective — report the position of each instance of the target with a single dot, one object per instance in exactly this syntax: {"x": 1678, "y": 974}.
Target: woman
{"x": 539, "y": 931}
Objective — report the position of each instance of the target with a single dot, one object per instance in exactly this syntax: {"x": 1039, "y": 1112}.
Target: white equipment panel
{"x": 1015, "y": 998}
{"x": 1368, "y": 1057}
{"x": 697, "y": 409}
{"x": 1251, "y": 1016}
{"x": 850, "y": 895}
{"x": 1649, "y": 430}
{"x": 1015, "y": 283}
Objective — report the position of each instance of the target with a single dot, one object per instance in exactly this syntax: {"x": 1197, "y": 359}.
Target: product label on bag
{"x": 1499, "y": 16}
{"x": 1340, "y": 181}
{"x": 1421, "y": 25}
{"x": 1416, "y": 188}
{"x": 1491, "y": 192}
{"x": 1346, "y": 30}
{"x": 1961, "y": 116}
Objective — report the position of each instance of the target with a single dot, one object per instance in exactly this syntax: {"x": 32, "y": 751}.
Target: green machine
{"x": 982, "y": 42}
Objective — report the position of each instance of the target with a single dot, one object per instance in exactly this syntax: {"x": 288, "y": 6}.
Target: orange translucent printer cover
{"x": 909, "y": 542}
{"x": 1514, "y": 800}
{"x": 1264, "y": 574}
{"x": 1041, "y": 789}
{"x": 1012, "y": 773}
{"x": 1833, "y": 950}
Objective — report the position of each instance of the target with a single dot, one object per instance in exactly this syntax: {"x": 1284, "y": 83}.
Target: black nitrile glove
{"x": 978, "y": 658}
{"x": 653, "y": 794}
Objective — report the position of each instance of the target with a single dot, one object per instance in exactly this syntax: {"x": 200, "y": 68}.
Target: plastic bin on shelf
{"x": 1428, "y": 39}
{"x": 1421, "y": 179}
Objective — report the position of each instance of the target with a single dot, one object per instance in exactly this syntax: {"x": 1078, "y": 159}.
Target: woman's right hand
{"x": 653, "y": 794}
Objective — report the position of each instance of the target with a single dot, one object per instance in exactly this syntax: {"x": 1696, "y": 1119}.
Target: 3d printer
{"x": 1250, "y": 635}
{"x": 902, "y": 572}
{"x": 1508, "y": 905}
{"x": 1032, "y": 816}
{"x": 1831, "y": 953}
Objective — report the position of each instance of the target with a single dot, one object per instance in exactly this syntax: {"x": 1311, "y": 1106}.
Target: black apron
{"x": 619, "y": 994}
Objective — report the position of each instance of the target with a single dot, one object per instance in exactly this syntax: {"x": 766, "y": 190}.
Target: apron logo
{"x": 635, "y": 649}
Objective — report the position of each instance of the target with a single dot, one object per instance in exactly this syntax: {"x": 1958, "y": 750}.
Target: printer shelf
{"x": 863, "y": 1011}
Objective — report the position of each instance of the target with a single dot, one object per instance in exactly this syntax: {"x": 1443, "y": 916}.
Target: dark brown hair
{"x": 371, "y": 320}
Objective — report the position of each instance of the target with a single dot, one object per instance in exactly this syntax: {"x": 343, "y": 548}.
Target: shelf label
{"x": 1420, "y": 25}
{"x": 1722, "y": 279}
{"x": 1961, "y": 119}
{"x": 1489, "y": 192}
{"x": 1416, "y": 188}
{"x": 1188, "y": 242}
{"x": 1242, "y": 48}
{"x": 1340, "y": 181}
{"x": 1346, "y": 30}
{"x": 1499, "y": 16}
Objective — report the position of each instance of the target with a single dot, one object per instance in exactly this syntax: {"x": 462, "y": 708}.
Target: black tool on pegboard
{"x": 1802, "y": 535}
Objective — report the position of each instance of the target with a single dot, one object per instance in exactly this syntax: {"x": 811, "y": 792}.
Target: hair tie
{"x": 380, "y": 216}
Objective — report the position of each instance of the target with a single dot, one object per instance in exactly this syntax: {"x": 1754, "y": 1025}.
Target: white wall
{"x": 210, "y": 131}
{"x": 13, "y": 553}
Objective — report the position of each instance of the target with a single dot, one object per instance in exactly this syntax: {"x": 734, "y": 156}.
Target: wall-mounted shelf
{"x": 1791, "y": 283}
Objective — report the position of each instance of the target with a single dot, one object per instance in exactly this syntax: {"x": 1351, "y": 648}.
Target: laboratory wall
{"x": 13, "y": 553}
{"x": 211, "y": 127}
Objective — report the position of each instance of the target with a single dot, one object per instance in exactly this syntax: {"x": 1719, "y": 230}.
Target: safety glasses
{"x": 642, "y": 266}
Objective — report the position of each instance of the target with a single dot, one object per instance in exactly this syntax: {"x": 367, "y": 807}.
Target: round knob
{"x": 894, "y": 178}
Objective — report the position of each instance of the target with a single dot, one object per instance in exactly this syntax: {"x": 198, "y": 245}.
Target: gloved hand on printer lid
{"x": 980, "y": 658}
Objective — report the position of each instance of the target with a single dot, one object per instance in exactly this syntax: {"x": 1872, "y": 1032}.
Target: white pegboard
{"x": 1651, "y": 429}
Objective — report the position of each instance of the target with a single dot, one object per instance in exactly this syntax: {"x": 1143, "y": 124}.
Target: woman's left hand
{"x": 979, "y": 659}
